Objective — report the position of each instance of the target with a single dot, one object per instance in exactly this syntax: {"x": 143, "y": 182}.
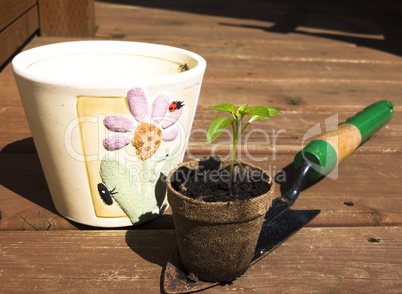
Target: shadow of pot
{"x": 216, "y": 240}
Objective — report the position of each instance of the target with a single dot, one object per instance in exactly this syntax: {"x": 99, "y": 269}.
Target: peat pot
{"x": 109, "y": 120}
{"x": 216, "y": 240}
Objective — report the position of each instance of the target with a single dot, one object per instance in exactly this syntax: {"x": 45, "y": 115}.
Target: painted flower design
{"x": 147, "y": 131}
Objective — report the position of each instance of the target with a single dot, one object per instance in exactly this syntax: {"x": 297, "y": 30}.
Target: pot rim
{"x": 184, "y": 203}
{"x": 25, "y": 59}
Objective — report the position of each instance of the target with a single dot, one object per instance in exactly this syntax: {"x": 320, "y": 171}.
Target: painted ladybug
{"x": 175, "y": 105}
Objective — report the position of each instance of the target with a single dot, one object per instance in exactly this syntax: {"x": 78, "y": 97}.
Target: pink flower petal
{"x": 159, "y": 107}
{"x": 138, "y": 104}
{"x": 170, "y": 133}
{"x": 116, "y": 141}
{"x": 118, "y": 123}
{"x": 171, "y": 118}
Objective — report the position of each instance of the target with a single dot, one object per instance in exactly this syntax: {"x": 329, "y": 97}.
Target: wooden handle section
{"x": 344, "y": 140}
{"x": 331, "y": 148}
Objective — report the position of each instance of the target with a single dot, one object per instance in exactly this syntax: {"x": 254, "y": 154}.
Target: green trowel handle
{"x": 331, "y": 148}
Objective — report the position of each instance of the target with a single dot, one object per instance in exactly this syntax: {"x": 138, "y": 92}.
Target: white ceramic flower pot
{"x": 109, "y": 119}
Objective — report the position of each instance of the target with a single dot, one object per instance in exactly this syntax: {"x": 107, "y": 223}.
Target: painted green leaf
{"x": 217, "y": 126}
{"x": 227, "y": 107}
{"x": 118, "y": 176}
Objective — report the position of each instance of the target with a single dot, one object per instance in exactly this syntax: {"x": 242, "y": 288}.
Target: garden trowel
{"x": 317, "y": 159}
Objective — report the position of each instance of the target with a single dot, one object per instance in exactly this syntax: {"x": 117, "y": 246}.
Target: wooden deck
{"x": 311, "y": 62}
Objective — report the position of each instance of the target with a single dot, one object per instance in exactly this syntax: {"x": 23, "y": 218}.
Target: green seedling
{"x": 220, "y": 123}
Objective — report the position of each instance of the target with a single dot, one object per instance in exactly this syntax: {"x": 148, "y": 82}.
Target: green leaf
{"x": 227, "y": 107}
{"x": 261, "y": 112}
{"x": 242, "y": 110}
{"x": 267, "y": 111}
{"x": 217, "y": 126}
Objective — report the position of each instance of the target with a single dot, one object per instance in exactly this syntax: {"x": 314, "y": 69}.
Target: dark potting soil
{"x": 209, "y": 184}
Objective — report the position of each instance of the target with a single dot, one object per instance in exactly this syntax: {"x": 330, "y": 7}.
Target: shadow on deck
{"x": 373, "y": 24}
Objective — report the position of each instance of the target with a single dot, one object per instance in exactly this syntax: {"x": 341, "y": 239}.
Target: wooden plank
{"x": 53, "y": 268}
{"x": 289, "y": 129}
{"x": 301, "y": 95}
{"x": 290, "y": 49}
{"x": 272, "y": 70}
{"x": 286, "y": 91}
{"x": 8, "y": 88}
{"x": 351, "y": 262}
{"x": 69, "y": 18}
{"x": 251, "y": 22}
{"x": 246, "y": 44}
{"x": 10, "y": 11}
{"x": 259, "y": 18}
{"x": 361, "y": 259}
{"x": 243, "y": 49}
{"x": 366, "y": 192}
{"x": 286, "y": 131}
{"x": 15, "y": 126}
{"x": 16, "y": 34}
{"x": 286, "y": 135}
